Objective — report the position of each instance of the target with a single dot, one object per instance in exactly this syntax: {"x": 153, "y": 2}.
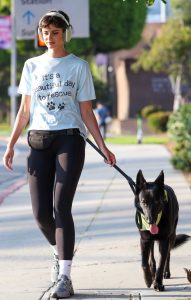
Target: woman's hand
{"x": 20, "y": 123}
{"x": 111, "y": 160}
{"x": 8, "y": 158}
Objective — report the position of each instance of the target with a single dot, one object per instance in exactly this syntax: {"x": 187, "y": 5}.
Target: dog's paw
{"x": 167, "y": 275}
{"x": 147, "y": 276}
{"x": 158, "y": 287}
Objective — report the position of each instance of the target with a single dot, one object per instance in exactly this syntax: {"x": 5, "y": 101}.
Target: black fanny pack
{"x": 42, "y": 139}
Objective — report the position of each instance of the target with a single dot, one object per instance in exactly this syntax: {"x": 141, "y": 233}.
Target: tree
{"x": 114, "y": 25}
{"x": 151, "y": 2}
{"x": 4, "y": 58}
{"x": 5, "y": 7}
{"x": 170, "y": 52}
{"x": 181, "y": 10}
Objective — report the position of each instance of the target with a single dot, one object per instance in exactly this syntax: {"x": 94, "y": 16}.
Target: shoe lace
{"x": 64, "y": 280}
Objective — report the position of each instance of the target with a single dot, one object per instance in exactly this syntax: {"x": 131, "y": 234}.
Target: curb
{"x": 12, "y": 188}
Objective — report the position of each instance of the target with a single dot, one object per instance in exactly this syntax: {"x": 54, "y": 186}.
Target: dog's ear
{"x": 140, "y": 181}
{"x": 160, "y": 180}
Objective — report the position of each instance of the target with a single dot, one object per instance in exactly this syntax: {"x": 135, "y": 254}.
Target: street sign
{"x": 29, "y": 12}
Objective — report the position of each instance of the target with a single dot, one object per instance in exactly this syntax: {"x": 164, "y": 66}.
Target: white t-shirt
{"x": 56, "y": 86}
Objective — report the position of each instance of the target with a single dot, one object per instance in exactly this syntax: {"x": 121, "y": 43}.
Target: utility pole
{"x": 163, "y": 8}
{"x": 13, "y": 64}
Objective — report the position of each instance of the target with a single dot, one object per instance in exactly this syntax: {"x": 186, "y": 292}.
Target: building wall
{"x": 147, "y": 88}
{"x": 136, "y": 90}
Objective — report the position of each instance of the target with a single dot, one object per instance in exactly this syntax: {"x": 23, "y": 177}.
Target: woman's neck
{"x": 56, "y": 53}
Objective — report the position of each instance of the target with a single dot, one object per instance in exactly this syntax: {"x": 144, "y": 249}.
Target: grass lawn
{"x": 132, "y": 139}
{"x": 5, "y": 129}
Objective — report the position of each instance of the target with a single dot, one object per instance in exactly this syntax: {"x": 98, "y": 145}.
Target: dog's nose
{"x": 150, "y": 221}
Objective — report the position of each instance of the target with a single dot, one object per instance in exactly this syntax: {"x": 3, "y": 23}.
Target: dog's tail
{"x": 181, "y": 239}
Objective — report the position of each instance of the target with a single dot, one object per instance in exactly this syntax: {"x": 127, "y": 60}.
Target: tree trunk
{"x": 178, "y": 100}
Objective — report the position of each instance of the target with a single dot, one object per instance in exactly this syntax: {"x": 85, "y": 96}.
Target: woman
{"x": 57, "y": 90}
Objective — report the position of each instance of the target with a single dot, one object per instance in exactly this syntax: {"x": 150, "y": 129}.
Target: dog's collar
{"x": 141, "y": 220}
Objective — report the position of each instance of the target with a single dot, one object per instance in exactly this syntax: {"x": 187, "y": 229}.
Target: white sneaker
{"x": 63, "y": 288}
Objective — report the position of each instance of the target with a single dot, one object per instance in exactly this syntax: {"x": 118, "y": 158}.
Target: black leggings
{"x": 53, "y": 177}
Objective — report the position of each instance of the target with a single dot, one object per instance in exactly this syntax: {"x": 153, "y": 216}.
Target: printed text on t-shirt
{"x": 50, "y": 82}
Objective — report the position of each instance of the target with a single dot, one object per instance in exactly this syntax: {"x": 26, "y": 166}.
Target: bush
{"x": 149, "y": 109}
{"x": 158, "y": 121}
{"x": 179, "y": 130}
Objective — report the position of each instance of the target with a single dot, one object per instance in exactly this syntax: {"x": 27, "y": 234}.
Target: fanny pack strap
{"x": 68, "y": 131}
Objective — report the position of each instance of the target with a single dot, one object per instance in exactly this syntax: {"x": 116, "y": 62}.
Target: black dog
{"x": 156, "y": 218}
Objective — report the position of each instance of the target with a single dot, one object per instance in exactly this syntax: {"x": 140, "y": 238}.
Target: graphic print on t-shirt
{"x": 46, "y": 94}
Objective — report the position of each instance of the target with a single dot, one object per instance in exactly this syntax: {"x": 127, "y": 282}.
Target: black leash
{"x": 129, "y": 179}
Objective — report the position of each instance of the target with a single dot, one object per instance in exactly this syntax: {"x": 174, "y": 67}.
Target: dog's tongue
{"x": 154, "y": 229}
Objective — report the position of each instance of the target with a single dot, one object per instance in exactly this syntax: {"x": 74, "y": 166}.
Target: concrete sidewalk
{"x": 107, "y": 262}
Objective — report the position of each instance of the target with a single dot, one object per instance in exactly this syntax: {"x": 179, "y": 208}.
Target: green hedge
{"x": 179, "y": 129}
{"x": 149, "y": 109}
{"x": 158, "y": 121}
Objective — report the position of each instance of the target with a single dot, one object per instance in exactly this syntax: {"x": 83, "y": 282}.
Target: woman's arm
{"x": 20, "y": 123}
{"x": 89, "y": 120}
